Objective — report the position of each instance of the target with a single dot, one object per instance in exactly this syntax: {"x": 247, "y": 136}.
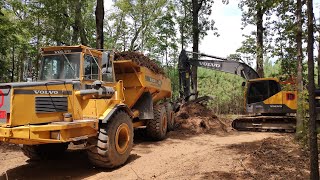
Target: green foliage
{"x": 173, "y": 74}
{"x": 271, "y": 70}
{"x": 184, "y": 19}
{"x": 279, "y": 34}
{"x": 135, "y": 25}
{"x": 225, "y": 88}
{"x": 27, "y": 25}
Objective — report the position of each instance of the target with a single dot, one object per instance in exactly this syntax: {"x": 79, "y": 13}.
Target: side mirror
{"x": 243, "y": 84}
{"x": 106, "y": 67}
{"x": 105, "y": 59}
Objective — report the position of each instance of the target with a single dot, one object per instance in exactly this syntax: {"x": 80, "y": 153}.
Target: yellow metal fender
{"x": 109, "y": 112}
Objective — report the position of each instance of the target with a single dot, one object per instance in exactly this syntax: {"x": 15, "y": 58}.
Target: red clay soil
{"x": 197, "y": 118}
{"x": 140, "y": 59}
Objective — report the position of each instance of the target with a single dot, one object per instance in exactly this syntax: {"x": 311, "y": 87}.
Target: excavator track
{"x": 265, "y": 123}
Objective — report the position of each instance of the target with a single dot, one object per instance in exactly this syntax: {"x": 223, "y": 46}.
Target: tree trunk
{"x": 38, "y": 56}
{"x": 99, "y": 24}
{"x": 318, "y": 55}
{"x": 319, "y": 60}
{"x": 195, "y": 39}
{"x": 83, "y": 36}
{"x": 77, "y": 22}
{"x": 133, "y": 40}
{"x": 13, "y": 63}
{"x": 314, "y": 166}
{"x": 182, "y": 25}
{"x": 21, "y": 64}
{"x": 142, "y": 2}
{"x": 300, "y": 112}
{"x": 260, "y": 41}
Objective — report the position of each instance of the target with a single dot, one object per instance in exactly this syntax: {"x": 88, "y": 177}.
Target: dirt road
{"x": 180, "y": 156}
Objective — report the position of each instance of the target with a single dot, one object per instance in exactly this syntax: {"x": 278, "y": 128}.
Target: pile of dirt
{"x": 197, "y": 118}
{"x": 140, "y": 59}
{"x": 271, "y": 158}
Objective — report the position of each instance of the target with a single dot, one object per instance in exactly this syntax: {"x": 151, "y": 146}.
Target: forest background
{"x": 159, "y": 29}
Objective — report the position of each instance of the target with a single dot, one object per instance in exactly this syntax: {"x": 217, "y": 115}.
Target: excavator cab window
{"x": 259, "y": 91}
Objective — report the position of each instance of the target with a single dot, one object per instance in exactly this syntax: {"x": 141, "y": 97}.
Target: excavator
{"x": 267, "y": 105}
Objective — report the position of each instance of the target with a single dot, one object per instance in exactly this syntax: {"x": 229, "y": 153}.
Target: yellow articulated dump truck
{"x": 85, "y": 96}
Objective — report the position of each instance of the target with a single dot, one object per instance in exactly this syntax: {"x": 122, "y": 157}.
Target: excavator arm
{"x": 215, "y": 63}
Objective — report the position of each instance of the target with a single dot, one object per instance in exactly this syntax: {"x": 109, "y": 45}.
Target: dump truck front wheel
{"x": 114, "y": 143}
{"x": 157, "y": 127}
{"x": 44, "y": 151}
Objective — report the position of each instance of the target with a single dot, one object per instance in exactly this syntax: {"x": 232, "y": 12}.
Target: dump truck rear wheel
{"x": 157, "y": 127}
{"x": 44, "y": 151}
{"x": 114, "y": 143}
{"x": 170, "y": 116}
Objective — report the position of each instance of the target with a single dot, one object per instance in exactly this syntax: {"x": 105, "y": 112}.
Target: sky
{"x": 228, "y": 21}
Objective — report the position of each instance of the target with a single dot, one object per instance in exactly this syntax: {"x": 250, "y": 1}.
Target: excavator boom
{"x": 233, "y": 67}
{"x": 215, "y": 63}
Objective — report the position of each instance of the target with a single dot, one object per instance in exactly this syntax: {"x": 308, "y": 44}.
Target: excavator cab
{"x": 264, "y": 96}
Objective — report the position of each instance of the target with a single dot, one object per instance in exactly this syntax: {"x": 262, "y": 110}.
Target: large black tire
{"x": 157, "y": 127}
{"x": 170, "y": 116}
{"x": 114, "y": 143}
{"x": 44, "y": 151}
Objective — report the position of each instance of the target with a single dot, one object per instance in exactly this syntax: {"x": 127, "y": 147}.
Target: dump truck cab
{"x": 83, "y": 96}
{"x": 63, "y": 90}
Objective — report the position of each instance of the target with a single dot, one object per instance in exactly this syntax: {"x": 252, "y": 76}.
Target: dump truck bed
{"x": 138, "y": 79}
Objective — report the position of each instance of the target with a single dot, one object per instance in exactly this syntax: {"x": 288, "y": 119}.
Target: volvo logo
{"x": 210, "y": 64}
{"x": 45, "y": 92}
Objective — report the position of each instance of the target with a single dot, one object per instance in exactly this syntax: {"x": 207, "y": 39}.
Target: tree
{"x": 318, "y": 30}
{"x": 99, "y": 24}
{"x": 300, "y": 112}
{"x": 200, "y": 10}
{"x": 138, "y": 17}
{"x": 184, "y": 19}
{"x": 196, "y": 6}
{"x": 162, "y": 39}
{"x": 314, "y": 163}
{"x": 259, "y": 24}
{"x": 254, "y": 12}
{"x": 247, "y": 50}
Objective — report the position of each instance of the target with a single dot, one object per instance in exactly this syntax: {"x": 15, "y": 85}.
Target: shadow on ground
{"x": 71, "y": 165}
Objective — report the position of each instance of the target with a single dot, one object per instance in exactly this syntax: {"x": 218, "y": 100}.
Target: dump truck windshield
{"x": 60, "y": 66}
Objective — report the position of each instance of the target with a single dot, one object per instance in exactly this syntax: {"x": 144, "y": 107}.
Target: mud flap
{"x": 145, "y": 106}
